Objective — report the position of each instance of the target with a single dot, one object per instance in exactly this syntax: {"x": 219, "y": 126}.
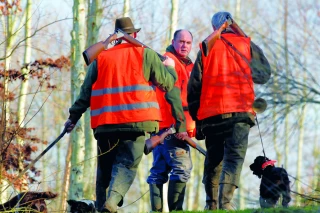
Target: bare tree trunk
{"x": 25, "y": 71}
{"x": 300, "y": 151}
{"x": 8, "y": 26}
{"x": 93, "y": 26}
{"x": 44, "y": 130}
{"x": 316, "y": 155}
{"x": 126, "y": 8}
{"x": 77, "y": 77}
{"x": 285, "y": 37}
{"x": 24, "y": 87}
{"x": 173, "y": 20}
{"x": 275, "y": 88}
{"x": 301, "y": 128}
{"x": 238, "y": 10}
{"x": 66, "y": 179}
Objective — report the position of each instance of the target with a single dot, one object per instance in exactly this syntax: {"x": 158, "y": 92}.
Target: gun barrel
{"x": 195, "y": 145}
{"x": 200, "y": 149}
{"x": 134, "y": 41}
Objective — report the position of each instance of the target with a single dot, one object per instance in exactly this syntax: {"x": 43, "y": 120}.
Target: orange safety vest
{"x": 227, "y": 84}
{"x": 183, "y": 72}
{"x": 121, "y": 94}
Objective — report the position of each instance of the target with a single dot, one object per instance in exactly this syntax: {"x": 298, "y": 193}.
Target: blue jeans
{"x": 225, "y": 154}
{"x": 171, "y": 157}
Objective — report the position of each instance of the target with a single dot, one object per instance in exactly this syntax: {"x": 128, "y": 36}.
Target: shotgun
{"x": 193, "y": 144}
{"x": 155, "y": 140}
{"x": 235, "y": 27}
{"x": 32, "y": 163}
{"x": 92, "y": 52}
{"x": 208, "y": 43}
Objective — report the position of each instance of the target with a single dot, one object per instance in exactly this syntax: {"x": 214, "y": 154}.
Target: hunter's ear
{"x": 135, "y": 35}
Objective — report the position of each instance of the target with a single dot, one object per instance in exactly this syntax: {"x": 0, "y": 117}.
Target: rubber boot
{"x": 112, "y": 201}
{"x": 211, "y": 197}
{"x": 156, "y": 193}
{"x": 176, "y": 191}
{"x": 225, "y": 196}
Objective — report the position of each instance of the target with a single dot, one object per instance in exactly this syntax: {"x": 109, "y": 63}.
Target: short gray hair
{"x": 219, "y": 18}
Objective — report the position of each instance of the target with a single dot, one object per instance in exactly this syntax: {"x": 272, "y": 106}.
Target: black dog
{"x": 82, "y": 206}
{"x": 28, "y": 202}
{"x": 274, "y": 182}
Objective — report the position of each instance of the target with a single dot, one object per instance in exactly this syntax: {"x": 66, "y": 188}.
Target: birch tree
{"x": 174, "y": 14}
{"x": 93, "y": 26}
{"x": 287, "y": 108}
{"x": 24, "y": 83}
{"x": 9, "y": 13}
{"x": 126, "y": 8}
{"x": 77, "y": 77}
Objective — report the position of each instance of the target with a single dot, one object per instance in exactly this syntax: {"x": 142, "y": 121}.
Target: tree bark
{"x": 77, "y": 77}
{"x": 173, "y": 19}
{"x": 93, "y": 26}
{"x": 126, "y": 8}
{"x": 287, "y": 109}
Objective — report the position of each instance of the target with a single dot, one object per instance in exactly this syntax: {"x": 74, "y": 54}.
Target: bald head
{"x": 182, "y": 42}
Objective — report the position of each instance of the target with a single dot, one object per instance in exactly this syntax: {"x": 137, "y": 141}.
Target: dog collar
{"x": 268, "y": 163}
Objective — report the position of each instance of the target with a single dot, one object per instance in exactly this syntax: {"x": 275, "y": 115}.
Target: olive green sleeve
{"x": 161, "y": 76}
{"x": 173, "y": 97}
{"x": 82, "y": 102}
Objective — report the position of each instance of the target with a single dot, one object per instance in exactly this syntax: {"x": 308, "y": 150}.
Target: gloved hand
{"x": 69, "y": 125}
{"x": 181, "y": 135}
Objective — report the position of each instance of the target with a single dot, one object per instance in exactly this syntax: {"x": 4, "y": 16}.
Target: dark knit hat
{"x": 125, "y": 24}
{"x": 219, "y": 18}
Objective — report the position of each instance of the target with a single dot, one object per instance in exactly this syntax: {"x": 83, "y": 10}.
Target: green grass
{"x": 308, "y": 209}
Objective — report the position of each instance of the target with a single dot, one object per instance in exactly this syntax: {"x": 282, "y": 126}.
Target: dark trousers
{"x": 117, "y": 152}
{"x": 225, "y": 154}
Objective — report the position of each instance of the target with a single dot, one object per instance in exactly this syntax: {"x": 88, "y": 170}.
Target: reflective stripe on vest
{"x": 227, "y": 84}
{"x": 183, "y": 72}
{"x": 121, "y": 94}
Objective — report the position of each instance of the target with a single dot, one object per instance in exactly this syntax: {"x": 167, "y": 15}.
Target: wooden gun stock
{"x": 155, "y": 140}
{"x": 193, "y": 144}
{"x": 91, "y": 53}
{"x": 208, "y": 43}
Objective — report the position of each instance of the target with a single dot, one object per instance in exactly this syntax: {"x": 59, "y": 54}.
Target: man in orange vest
{"x": 173, "y": 156}
{"x": 119, "y": 89}
{"x": 220, "y": 98}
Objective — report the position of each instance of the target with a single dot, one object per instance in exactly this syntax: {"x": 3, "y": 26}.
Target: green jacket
{"x": 154, "y": 71}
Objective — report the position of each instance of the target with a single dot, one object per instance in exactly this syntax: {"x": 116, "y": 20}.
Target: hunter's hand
{"x": 69, "y": 125}
{"x": 110, "y": 39}
{"x": 181, "y": 135}
{"x": 169, "y": 62}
